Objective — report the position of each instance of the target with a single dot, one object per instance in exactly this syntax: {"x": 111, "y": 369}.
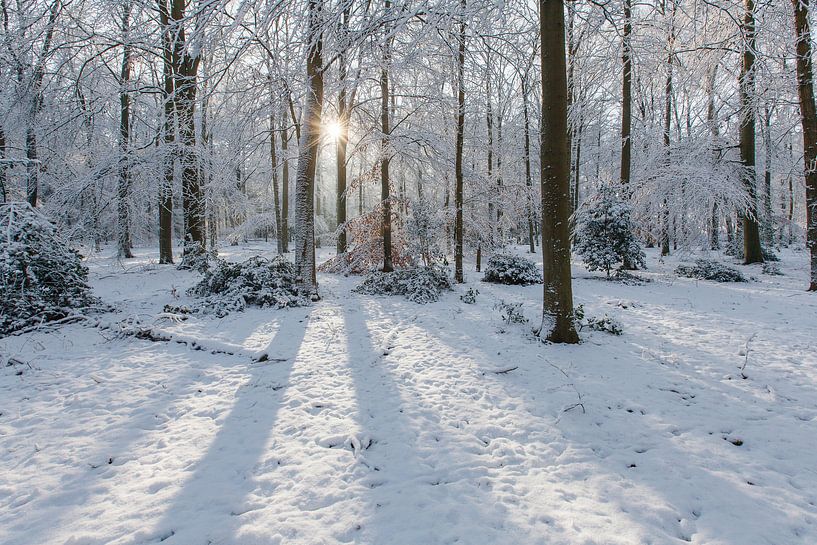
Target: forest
{"x": 408, "y": 272}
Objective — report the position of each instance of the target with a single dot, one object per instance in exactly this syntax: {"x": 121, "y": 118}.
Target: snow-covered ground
{"x": 379, "y": 421}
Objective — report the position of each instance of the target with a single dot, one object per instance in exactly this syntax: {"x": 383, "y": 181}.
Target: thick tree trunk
{"x": 557, "y": 312}
{"x": 752, "y": 252}
{"x": 626, "y": 97}
{"x": 308, "y": 154}
{"x": 123, "y": 186}
{"x": 808, "y": 117}
{"x": 458, "y": 176}
{"x": 186, "y": 64}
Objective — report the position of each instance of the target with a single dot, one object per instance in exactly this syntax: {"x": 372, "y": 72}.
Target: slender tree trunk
{"x": 752, "y": 252}
{"x": 276, "y": 202}
{"x": 123, "y": 188}
{"x": 489, "y": 122}
{"x": 385, "y": 190}
{"x": 712, "y": 122}
{"x": 284, "y": 235}
{"x": 557, "y": 312}
{"x": 458, "y": 176}
{"x": 768, "y": 216}
{"x": 168, "y": 141}
{"x": 308, "y": 153}
{"x": 808, "y": 118}
{"x": 528, "y": 177}
{"x": 343, "y": 137}
{"x": 3, "y": 175}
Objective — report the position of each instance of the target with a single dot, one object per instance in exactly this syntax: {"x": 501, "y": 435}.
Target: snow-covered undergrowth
{"x": 374, "y": 420}
{"x": 512, "y": 269}
{"x": 42, "y": 279}
{"x": 418, "y": 284}
{"x": 709, "y": 269}
{"x": 258, "y": 281}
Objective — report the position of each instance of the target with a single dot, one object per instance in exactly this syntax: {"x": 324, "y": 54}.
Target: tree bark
{"x": 308, "y": 154}
{"x": 168, "y": 140}
{"x": 458, "y": 176}
{"x": 752, "y": 252}
{"x": 284, "y": 235}
{"x": 808, "y": 118}
{"x": 276, "y": 203}
{"x": 626, "y": 97}
{"x": 528, "y": 177}
{"x": 123, "y": 187}
{"x": 385, "y": 149}
{"x": 557, "y": 312}
{"x": 343, "y": 138}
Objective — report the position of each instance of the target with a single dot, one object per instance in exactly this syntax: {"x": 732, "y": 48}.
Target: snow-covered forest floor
{"x": 375, "y": 420}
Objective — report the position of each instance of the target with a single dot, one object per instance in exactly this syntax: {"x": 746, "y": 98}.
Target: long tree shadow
{"x": 427, "y": 483}
{"x": 219, "y": 489}
{"x": 85, "y": 487}
{"x": 637, "y": 449}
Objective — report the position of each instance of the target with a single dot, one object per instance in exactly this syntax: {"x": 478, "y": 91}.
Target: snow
{"x": 376, "y": 420}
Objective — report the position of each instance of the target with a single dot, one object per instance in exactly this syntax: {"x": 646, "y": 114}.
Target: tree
{"x": 123, "y": 239}
{"x": 808, "y": 119}
{"x": 752, "y": 252}
{"x": 385, "y": 149}
{"x": 460, "y": 131}
{"x": 604, "y": 233}
{"x": 557, "y": 312}
{"x": 308, "y": 153}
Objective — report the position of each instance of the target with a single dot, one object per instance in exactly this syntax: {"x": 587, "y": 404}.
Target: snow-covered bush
{"x": 417, "y": 284}
{"x": 772, "y": 269}
{"x": 470, "y": 296}
{"x": 605, "y": 324}
{"x": 511, "y": 313}
{"x": 258, "y": 281}
{"x": 511, "y": 269}
{"x": 196, "y": 258}
{"x": 41, "y": 278}
{"x": 604, "y": 234}
{"x": 706, "y": 269}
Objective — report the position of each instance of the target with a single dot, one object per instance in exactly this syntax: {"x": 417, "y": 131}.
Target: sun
{"x": 333, "y": 129}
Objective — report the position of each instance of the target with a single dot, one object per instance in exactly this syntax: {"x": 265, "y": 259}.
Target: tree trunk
{"x": 528, "y": 177}
{"x": 308, "y": 154}
{"x": 712, "y": 122}
{"x": 168, "y": 140}
{"x": 626, "y": 98}
{"x": 123, "y": 187}
{"x": 284, "y": 235}
{"x": 808, "y": 118}
{"x": 557, "y": 312}
{"x": 752, "y": 252}
{"x": 458, "y": 177}
{"x": 343, "y": 138}
{"x": 276, "y": 202}
{"x": 385, "y": 149}
{"x": 186, "y": 86}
